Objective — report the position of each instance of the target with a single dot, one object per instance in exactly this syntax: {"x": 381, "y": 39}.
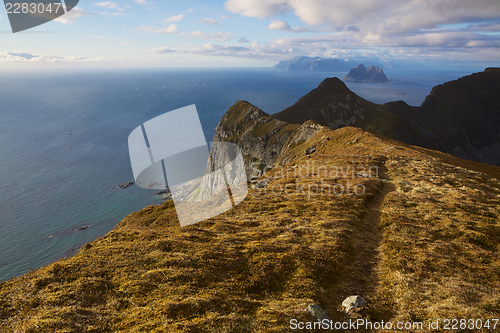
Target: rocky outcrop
{"x": 260, "y": 137}
{"x": 306, "y": 131}
{"x": 372, "y": 74}
{"x": 125, "y": 185}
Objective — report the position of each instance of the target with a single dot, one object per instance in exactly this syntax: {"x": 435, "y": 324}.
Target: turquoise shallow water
{"x": 63, "y": 142}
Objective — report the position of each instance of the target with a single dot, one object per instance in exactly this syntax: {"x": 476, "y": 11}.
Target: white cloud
{"x": 287, "y": 48}
{"x": 342, "y": 12}
{"x": 106, "y": 4}
{"x": 447, "y": 39}
{"x": 255, "y": 50}
{"x": 259, "y": 8}
{"x": 387, "y": 30}
{"x": 209, "y": 21}
{"x": 279, "y": 25}
{"x": 112, "y": 14}
{"x": 378, "y": 17}
{"x": 218, "y": 36}
{"x": 141, "y": 2}
{"x": 162, "y": 50}
{"x": 284, "y": 26}
{"x": 33, "y": 58}
{"x": 171, "y": 29}
{"x": 176, "y": 18}
{"x": 208, "y": 49}
{"x": 221, "y": 49}
{"x": 71, "y": 16}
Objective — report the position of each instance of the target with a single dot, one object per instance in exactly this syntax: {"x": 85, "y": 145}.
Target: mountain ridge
{"x": 460, "y": 117}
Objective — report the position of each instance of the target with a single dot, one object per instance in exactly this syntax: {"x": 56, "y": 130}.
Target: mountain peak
{"x": 331, "y": 104}
{"x": 240, "y": 112}
{"x": 332, "y": 83}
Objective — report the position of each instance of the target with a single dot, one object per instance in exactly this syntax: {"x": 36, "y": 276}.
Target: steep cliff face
{"x": 461, "y": 117}
{"x": 469, "y": 111}
{"x": 260, "y": 137}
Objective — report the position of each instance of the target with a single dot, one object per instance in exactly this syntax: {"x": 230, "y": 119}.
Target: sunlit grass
{"x": 254, "y": 268}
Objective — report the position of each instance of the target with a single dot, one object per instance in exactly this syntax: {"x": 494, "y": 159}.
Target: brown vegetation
{"x": 421, "y": 243}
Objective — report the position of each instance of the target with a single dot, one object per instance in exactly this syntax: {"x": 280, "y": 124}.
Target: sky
{"x": 259, "y": 33}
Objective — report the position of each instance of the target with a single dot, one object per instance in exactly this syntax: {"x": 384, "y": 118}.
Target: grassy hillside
{"x": 420, "y": 242}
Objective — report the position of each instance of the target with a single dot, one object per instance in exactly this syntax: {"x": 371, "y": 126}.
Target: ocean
{"x": 64, "y": 134}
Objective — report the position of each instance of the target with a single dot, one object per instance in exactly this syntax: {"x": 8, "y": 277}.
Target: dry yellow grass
{"x": 434, "y": 252}
{"x": 441, "y": 241}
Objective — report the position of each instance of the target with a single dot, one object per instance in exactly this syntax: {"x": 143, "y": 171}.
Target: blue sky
{"x": 259, "y": 33}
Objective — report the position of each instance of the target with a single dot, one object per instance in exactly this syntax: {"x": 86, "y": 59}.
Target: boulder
{"x": 317, "y": 312}
{"x": 353, "y": 302}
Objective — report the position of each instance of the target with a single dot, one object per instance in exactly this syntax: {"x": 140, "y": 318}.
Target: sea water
{"x": 63, "y": 142}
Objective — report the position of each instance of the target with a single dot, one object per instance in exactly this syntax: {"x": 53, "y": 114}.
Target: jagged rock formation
{"x": 260, "y": 136}
{"x": 461, "y": 117}
{"x": 371, "y": 74}
{"x": 308, "y": 64}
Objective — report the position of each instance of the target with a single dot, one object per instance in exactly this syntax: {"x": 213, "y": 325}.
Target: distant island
{"x": 308, "y": 64}
{"x": 360, "y": 73}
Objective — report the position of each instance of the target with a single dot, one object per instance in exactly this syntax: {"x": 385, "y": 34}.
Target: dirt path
{"x": 360, "y": 274}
